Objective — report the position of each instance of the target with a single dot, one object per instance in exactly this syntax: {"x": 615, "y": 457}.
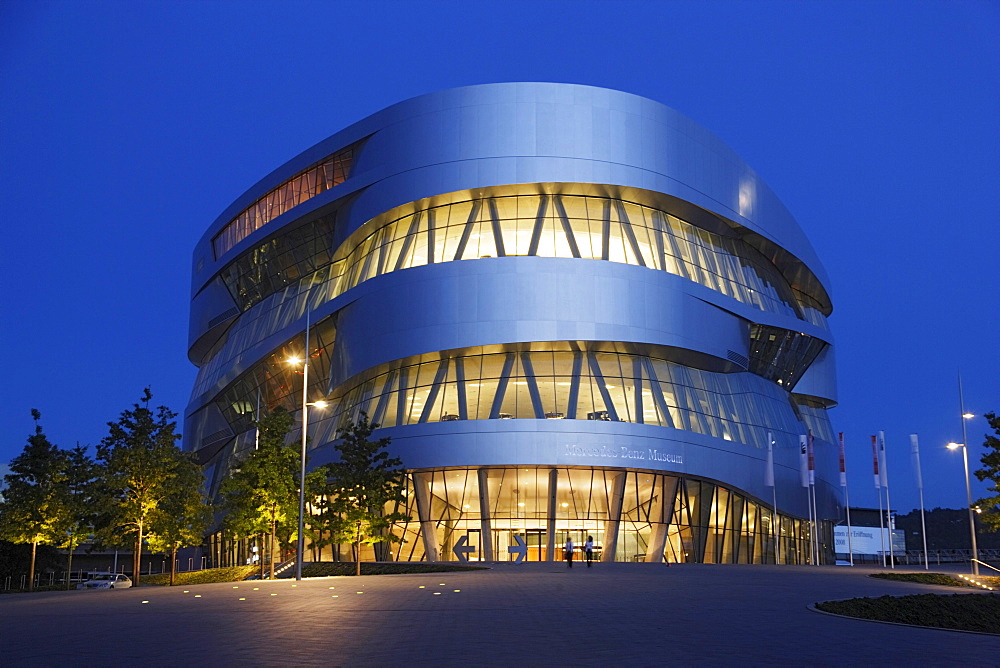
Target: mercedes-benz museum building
{"x": 575, "y": 312}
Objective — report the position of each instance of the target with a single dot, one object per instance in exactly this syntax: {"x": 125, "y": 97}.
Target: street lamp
{"x": 300, "y": 545}
{"x": 968, "y": 496}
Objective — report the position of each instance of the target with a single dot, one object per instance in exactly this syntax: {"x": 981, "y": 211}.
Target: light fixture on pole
{"x": 968, "y": 496}
{"x": 300, "y": 545}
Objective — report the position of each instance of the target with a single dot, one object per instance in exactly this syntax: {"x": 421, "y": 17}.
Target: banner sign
{"x": 865, "y": 540}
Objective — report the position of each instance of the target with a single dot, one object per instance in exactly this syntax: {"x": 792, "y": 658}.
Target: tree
{"x": 361, "y": 485}
{"x": 141, "y": 468}
{"x": 183, "y": 514}
{"x": 991, "y": 471}
{"x": 33, "y": 501}
{"x": 77, "y": 501}
{"x": 262, "y": 494}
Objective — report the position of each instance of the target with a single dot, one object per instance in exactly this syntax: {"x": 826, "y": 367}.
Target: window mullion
{"x": 567, "y": 228}
{"x": 467, "y": 232}
{"x": 508, "y": 366}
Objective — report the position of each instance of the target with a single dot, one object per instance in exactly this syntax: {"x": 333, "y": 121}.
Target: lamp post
{"x": 300, "y": 544}
{"x": 968, "y": 495}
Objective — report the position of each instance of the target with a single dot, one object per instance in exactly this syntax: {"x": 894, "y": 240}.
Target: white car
{"x": 106, "y": 581}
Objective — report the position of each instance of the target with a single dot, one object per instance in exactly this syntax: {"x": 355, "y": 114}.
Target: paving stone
{"x": 641, "y": 614}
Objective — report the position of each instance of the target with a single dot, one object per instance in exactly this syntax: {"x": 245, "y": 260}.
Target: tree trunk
{"x": 173, "y": 564}
{"x": 69, "y": 566}
{"x": 274, "y": 533}
{"x": 137, "y": 557}
{"x": 31, "y": 573}
{"x": 260, "y": 553}
{"x": 357, "y": 552}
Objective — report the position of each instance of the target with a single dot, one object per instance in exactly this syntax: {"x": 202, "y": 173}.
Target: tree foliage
{"x": 261, "y": 496}
{"x": 78, "y": 494}
{"x": 990, "y": 460}
{"x": 361, "y": 486}
{"x": 183, "y": 514}
{"x": 34, "y": 503}
{"x": 141, "y": 470}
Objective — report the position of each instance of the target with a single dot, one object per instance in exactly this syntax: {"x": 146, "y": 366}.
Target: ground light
{"x": 975, "y": 582}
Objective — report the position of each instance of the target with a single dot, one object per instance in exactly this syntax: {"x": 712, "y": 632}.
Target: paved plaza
{"x": 530, "y": 614}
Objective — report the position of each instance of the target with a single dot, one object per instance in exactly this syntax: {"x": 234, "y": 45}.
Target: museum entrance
{"x": 534, "y": 540}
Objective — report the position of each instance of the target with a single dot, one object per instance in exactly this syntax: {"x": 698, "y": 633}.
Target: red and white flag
{"x": 804, "y": 460}
{"x": 843, "y": 463}
{"x": 812, "y": 458}
{"x": 878, "y": 485}
{"x": 883, "y": 467}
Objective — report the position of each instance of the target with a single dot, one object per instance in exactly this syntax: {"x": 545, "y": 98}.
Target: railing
{"x": 983, "y": 563}
{"x": 283, "y": 566}
{"x": 53, "y": 578}
{"x": 916, "y": 557}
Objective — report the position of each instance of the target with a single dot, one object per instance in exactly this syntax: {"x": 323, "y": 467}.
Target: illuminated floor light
{"x": 242, "y": 598}
{"x": 331, "y": 587}
{"x": 235, "y": 587}
{"x": 437, "y": 593}
{"x": 334, "y": 596}
{"x": 421, "y": 587}
{"x": 273, "y": 594}
{"x": 186, "y": 591}
{"x": 197, "y": 595}
{"x": 361, "y": 592}
{"x": 145, "y": 601}
{"x": 457, "y": 590}
{"x": 256, "y": 588}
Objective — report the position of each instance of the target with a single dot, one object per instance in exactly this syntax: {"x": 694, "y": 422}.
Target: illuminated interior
{"x": 304, "y": 186}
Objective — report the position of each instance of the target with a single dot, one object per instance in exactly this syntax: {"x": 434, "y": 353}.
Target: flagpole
{"x": 847, "y": 498}
{"x": 775, "y": 526}
{"x": 812, "y": 493}
{"x": 915, "y": 447}
{"x": 256, "y": 435}
{"x": 804, "y": 479}
{"x": 769, "y": 479}
{"x": 878, "y": 489}
{"x": 888, "y": 505}
{"x": 812, "y": 526}
{"x": 814, "y": 544}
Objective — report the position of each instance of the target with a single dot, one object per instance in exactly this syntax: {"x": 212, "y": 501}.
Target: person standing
{"x": 588, "y": 549}
{"x": 569, "y": 553}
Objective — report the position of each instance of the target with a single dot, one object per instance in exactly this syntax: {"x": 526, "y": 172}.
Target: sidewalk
{"x": 528, "y": 614}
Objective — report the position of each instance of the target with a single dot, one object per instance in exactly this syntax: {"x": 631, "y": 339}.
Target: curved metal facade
{"x": 554, "y": 291}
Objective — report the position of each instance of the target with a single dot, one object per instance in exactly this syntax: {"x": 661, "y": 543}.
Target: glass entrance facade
{"x": 632, "y": 516}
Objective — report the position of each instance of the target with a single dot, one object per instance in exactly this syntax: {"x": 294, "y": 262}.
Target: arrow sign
{"x": 462, "y": 549}
{"x": 521, "y": 549}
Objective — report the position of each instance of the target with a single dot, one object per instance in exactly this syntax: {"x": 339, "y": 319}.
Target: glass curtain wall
{"x": 631, "y": 515}
{"x": 268, "y": 279}
{"x": 567, "y": 226}
{"x": 273, "y": 281}
{"x": 568, "y": 383}
{"x": 303, "y": 186}
{"x": 274, "y": 381}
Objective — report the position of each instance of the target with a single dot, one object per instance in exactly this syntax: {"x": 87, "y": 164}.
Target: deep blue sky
{"x": 127, "y": 127}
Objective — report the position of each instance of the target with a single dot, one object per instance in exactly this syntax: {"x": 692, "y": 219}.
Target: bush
{"x": 326, "y": 568}
{"x": 209, "y": 575}
{"x": 963, "y": 612}
{"x": 923, "y": 578}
